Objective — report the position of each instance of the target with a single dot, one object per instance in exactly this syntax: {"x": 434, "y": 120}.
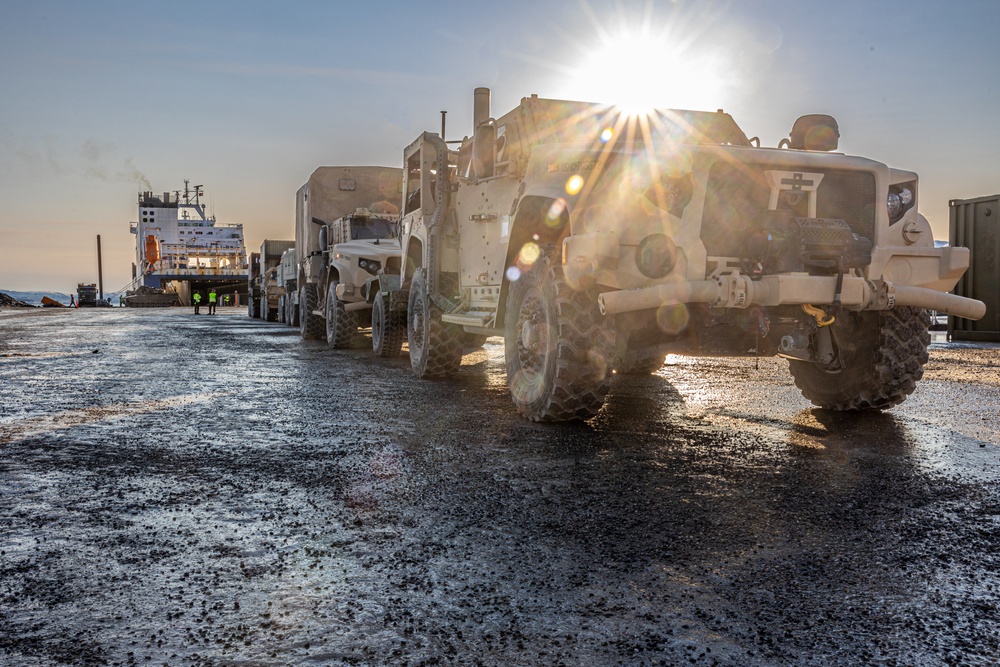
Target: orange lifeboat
{"x": 152, "y": 249}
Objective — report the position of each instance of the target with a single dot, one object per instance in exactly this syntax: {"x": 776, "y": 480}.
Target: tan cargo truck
{"x": 597, "y": 242}
{"x": 265, "y": 289}
{"x": 287, "y": 277}
{"x": 343, "y": 205}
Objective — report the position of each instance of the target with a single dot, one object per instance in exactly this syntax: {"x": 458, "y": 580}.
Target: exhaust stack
{"x": 480, "y": 107}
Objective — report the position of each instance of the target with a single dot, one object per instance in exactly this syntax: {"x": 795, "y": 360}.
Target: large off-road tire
{"x": 251, "y": 308}
{"x": 388, "y": 328}
{"x": 884, "y": 353}
{"x": 266, "y": 313}
{"x": 435, "y": 346}
{"x": 311, "y": 326}
{"x": 341, "y": 325}
{"x": 281, "y": 310}
{"x": 557, "y": 346}
{"x": 292, "y": 319}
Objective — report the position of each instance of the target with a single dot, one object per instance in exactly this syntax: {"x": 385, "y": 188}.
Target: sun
{"x": 639, "y": 70}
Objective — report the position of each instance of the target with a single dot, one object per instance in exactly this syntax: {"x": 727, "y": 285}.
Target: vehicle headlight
{"x": 369, "y": 265}
{"x": 901, "y": 199}
{"x": 895, "y": 205}
{"x": 656, "y": 255}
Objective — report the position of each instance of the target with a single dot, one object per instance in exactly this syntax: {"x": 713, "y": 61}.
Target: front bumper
{"x": 740, "y": 291}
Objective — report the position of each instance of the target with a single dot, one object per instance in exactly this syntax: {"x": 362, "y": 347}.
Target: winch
{"x": 784, "y": 243}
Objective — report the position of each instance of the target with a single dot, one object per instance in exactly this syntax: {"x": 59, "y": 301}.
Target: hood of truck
{"x": 382, "y": 250}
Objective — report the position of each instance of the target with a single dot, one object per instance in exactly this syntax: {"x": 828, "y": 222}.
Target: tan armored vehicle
{"x": 265, "y": 289}
{"x": 594, "y": 242}
{"x": 364, "y": 254}
{"x": 287, "y": 273}
{"x": 356, "y": 207}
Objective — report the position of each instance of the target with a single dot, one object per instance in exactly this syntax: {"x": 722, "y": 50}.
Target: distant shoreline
{"x": 35, "y": 298}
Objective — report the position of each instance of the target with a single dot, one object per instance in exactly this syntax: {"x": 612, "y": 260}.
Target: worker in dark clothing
{"x": 196, "y": 297}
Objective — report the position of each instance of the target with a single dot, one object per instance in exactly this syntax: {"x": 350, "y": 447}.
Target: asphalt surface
{"x": 212, "y": 490}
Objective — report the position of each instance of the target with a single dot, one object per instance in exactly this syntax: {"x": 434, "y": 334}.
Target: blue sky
{"x": 100, "y": 100}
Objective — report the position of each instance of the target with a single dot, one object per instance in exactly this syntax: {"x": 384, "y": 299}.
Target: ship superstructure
{"x": 179, "y": 247}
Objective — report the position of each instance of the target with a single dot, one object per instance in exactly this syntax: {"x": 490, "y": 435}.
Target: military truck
{"x": 253, "y": 284}
{"x": 264, "y": 288}
{"x": 287, "y": 276}
{"x": 362, "y": 273}
{"x": 595, "y": 242}
{"x": 342, "y": 205}
{"x": 86, "y": 294}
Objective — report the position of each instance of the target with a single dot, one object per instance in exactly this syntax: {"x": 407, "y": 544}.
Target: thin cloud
{"x": 352, "y": 74}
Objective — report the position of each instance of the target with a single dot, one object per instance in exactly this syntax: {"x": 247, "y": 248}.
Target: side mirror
{"x": 815, "y": 132}
{"x": 483, "y": 146}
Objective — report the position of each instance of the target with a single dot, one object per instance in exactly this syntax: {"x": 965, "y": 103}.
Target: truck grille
{"x": 738, "y": 192}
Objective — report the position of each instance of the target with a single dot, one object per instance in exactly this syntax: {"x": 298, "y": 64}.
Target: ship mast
{"x": 196, "y": 191}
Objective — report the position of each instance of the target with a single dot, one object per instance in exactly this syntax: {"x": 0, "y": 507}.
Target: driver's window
{"x": 412, "y": 202}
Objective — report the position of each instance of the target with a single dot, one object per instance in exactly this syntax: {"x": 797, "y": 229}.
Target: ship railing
{"x": 201, "y": 245}
{"x": 227, "y": 271}
{"x": 200, "y": 252}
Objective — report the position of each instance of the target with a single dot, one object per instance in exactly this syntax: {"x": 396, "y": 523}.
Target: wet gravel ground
{"x": 181, "y": 490}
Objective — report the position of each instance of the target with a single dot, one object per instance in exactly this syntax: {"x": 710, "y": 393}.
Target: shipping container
{"x": 975, "y": 224}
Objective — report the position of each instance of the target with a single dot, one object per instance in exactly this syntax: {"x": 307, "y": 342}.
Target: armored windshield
{"x": 372, "y": 228}
{"x": 696, "y": 127}
{"x": 558, "y": 121}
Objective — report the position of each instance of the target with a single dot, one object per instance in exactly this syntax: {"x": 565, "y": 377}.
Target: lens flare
{"x": 607, "y": 135}
{"x": 574, "y": 184}
{"x": 513, "y": 273}
{"x": 530, "y": 252}
{"x": 672, "y": 319}
{"x": 555, "y": 213}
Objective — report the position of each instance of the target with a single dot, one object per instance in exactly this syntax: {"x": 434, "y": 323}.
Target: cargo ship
{"x": 180, "y": 249}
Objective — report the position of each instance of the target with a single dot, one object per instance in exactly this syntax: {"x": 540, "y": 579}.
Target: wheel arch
{"x": 412, "y": 260}
{"x": 332, "y": 275}
{"x": 541, "y": 219}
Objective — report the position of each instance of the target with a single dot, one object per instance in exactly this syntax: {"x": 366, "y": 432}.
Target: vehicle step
{"x": 472, "y": 318}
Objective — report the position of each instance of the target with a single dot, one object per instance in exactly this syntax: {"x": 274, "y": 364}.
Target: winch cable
{"x": 823, "y": 319}
{"x": 839, "y": 289}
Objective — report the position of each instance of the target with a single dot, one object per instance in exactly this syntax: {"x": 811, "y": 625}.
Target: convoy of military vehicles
{"x": 265, "y": 291}
{"x": 594, "y": 242}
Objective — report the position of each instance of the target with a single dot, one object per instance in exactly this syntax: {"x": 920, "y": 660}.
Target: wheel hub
{"x": 376, "y": 326}
{"x": 529, "y": 335}
{"x": 531, "y": 332}
{"x": 418, "y": 323}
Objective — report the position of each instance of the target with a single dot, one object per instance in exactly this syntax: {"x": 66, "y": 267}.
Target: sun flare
{"x": 639, "y": 70}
